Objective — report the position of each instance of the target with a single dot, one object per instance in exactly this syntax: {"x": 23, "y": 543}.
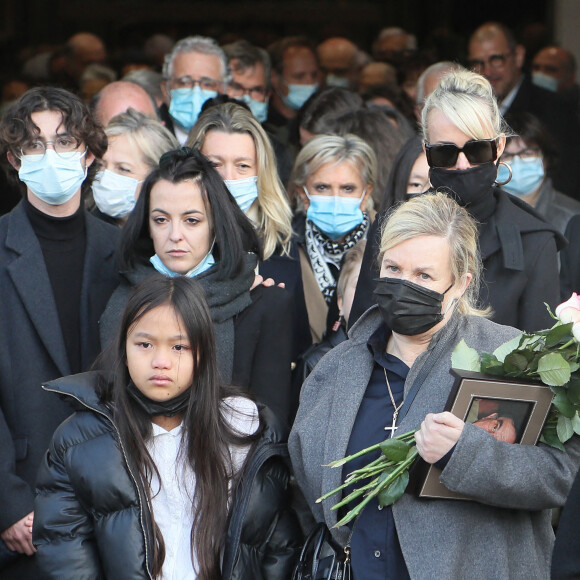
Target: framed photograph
{"x": 510, "y": 411}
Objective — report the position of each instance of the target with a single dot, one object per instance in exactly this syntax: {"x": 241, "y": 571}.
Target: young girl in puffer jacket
{"x": 162, "y": 472}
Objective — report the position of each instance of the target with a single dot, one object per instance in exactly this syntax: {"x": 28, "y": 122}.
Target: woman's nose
{"x": 161, "y": 361}
{"x": 175, "y": 234}
{"x": 462, "y": 162}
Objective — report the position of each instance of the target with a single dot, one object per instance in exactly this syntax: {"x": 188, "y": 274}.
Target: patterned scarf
{"x": 323, "y": 252}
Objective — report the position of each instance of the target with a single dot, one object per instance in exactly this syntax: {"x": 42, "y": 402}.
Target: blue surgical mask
{"x": 114, "y": 194}
{"x": 204, "y": 265}
{"x": 298, "y": 95}
{"x": 245, "y": 191}
{"x": 335, "y": 215}
{"x": 337, "y": 81}
{"x": 545, "y": 81}
{"x": 259, "y": 109}
{"x": 186, "y": 104}
{"x": 527, "y": 176}
{"x": 53, "y": 178}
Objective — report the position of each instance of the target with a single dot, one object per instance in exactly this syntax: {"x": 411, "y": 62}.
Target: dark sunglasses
{"x": 477, "y": 152}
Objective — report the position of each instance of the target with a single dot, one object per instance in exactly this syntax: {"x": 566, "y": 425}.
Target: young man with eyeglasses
{"x": 494, "y": 53}
{"x": 194, "y": 71}
{"x": 56, "y": 275}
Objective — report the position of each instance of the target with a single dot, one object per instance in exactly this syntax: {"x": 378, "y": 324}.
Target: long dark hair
{"x": 233, "y": 231}
{"x": 207, "y": 436}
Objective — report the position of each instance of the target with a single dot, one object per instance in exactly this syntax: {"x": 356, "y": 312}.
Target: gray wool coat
{"x": 505, "y": 532}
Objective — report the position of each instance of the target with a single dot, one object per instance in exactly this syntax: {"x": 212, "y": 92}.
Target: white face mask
{"x": 115, "y": 194}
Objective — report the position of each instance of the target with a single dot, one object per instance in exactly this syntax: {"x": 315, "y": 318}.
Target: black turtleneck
{"x": 63, "y": 243}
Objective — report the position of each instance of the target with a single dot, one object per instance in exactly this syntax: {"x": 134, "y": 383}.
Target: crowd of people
{"x": 224, "y": 267}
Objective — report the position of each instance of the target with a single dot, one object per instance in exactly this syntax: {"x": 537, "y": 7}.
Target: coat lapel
{"x": 342, "y": 416}
{"x": 30, "y": 277}
{"x": 99, "y": 251}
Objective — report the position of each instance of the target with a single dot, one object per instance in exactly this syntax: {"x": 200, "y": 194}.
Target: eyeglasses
{"x": 257, "y": 93}
{"x": 494, "y": 61}
{"x": 187, "y": 82}
{"x": 62, "y": 145}
{"x": 477, "y": 152}
{"x": 524, "y": 154}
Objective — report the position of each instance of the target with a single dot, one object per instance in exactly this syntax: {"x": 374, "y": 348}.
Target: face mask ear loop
{"x": 306, "y": 192}
{"x": 500, "y": 183}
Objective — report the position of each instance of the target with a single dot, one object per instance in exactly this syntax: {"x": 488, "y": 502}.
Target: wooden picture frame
{"x": 512, "y": 411}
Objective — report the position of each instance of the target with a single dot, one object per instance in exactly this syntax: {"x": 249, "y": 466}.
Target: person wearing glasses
{"x": 56, "y": 275}
{"x": 251, "y": 83}
{"x": 495, "y": 54}
{"x": 193, "y": 72}
{"x": 464, "y": 138}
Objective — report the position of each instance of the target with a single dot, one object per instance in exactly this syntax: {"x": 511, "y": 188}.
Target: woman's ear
{"x": 501, "y": 142}
{"x": 303, "y": 197}
{"x": 466, "y": 281}
{"x": 368, "y": 191}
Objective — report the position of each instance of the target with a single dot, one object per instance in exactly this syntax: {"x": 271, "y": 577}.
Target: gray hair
{"x": 248, "y": 56}
{"x": 147, "y": 136}
{"x": 148, "y": 80}
{"x": 439, "y": 68}
{"x": 324, "y": 149}
{"x": 203, "y": 45}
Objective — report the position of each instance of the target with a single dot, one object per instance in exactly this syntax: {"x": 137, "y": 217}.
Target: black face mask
{"x": 408, "y": 308}
{"x": 167, "y": 408}
{"x": 471, "y": 188}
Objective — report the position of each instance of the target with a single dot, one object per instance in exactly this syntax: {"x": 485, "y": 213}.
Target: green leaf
{"x": 504, "y": 349}
{"x": 558, "y": 333}
{"x": 574, "y": 366}
{"x": 465, "y": 358}
{"x": 576, "y": 423}
{"x": 394, "y": 491}
{"x": 562, "y": 403}
{"x": 395, "y": 450}
{"x": 574, "y": 390}
{"x": 554, "y": 370}
{"x": 515, "y": 362}
{"x": 490, "y": 365}
{"x": 564, "y": 428}
{"x": 550, "y": 438}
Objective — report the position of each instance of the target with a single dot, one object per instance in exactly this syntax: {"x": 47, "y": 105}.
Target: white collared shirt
{"x": 510, "y": 97}
{"x": 172, "y": 500}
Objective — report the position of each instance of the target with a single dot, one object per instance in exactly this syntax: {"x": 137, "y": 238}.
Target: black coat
{"x": 570, "y": 260}
{"x": 92, "y": 522}
{"x": 561, "y": 120}
{"x": 32, "y": 350}
{"x": 262, "y": 337}
{"x": 519, "y": 254}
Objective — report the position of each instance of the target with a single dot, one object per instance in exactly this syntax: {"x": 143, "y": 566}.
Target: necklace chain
{"x": 393, "y": 426}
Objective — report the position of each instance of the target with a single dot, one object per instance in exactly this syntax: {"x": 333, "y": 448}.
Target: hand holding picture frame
{"x": 511, "y": 411}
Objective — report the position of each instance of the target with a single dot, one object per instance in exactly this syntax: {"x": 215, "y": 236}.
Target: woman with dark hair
{"x": 186, "y": 223}
{"x": 531, "y": 155}
{"x": 163, "y": 470}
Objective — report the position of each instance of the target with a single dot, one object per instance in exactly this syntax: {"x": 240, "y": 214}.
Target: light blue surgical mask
{"x": 298, "y": 95}
{"x": 114, "y": 194}
{"x": 245, "y": 191}
{"x": 335, "y": 215}
{"x": 53, "y": 178}
{"x": 259, "y": 109}
{"x": 527, "y": 175}
{"x": 186, "y": 104}
{"x": 337, "y": 81}
{"x": 545, "y": 81}
{"x": 204, "y": 265}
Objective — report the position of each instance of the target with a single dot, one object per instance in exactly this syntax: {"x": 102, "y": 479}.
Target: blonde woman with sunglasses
{"x": 464, "y": 137}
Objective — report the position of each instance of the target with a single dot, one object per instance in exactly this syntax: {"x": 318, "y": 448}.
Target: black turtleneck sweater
{"x": 63, "y": 243}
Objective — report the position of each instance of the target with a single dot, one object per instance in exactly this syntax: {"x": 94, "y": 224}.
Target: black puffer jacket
{"x": 92, "y": 520}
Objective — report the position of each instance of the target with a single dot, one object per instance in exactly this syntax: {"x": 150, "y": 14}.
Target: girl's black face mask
{"x": 408, "y": 308}
{"x": 167, "y": 408}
